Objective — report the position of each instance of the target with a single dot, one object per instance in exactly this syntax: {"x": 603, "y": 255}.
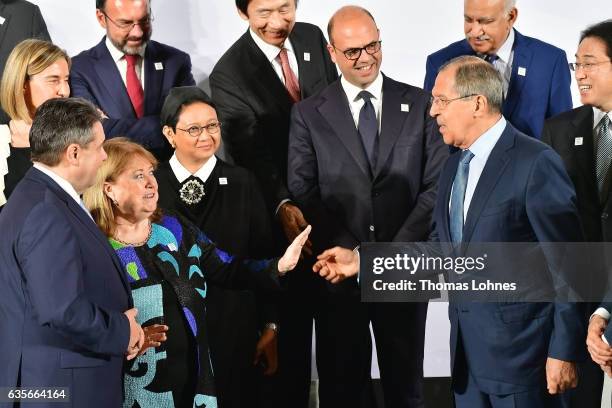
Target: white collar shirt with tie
{"x": 271, "y": 52}
{"x": 119, "y": 59}
{"x": 481, "y": 149}
{"x": 356, "y": 103}
{"x": 503, "y": 63}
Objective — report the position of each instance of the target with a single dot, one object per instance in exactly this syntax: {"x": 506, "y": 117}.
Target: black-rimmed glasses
{"x": 353, "y": 54}
{"x": 196, "y": 131}
{"x": 128, "y": 25}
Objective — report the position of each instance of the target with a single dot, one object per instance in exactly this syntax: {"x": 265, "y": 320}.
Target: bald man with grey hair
{"x": 535, "y": 74}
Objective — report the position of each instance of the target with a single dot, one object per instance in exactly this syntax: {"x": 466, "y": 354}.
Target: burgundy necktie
{"x": 291, "y": 82}
{"x": 134, "y": 87}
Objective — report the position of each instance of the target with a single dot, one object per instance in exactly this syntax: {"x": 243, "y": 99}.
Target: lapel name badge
{"x": 522, "y": 71}
{"x": 405, "y": 107}
{"x": 222, "y": 181}
{"x": 2, "y": 20}
{"x": 307, "y": 56}
{"x": 578, "y": 141}
{"x": 159, "y": 66}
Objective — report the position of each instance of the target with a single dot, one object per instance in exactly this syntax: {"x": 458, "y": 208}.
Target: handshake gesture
{"x": 337, "y": 264}
{"x": 142, "y": 338}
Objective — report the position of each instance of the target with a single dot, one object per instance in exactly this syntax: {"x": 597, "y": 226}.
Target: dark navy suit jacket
{"x": 63, "y": 298}
{"x": 523, "y": 195}
{"x": 94, "y": 76}
{"x": 330, "y": 177}
{"x": 543, "y": 91}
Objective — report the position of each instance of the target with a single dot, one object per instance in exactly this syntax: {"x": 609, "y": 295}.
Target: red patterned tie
{"x": 134, "y": 87}
{"x": 291, "y": 82}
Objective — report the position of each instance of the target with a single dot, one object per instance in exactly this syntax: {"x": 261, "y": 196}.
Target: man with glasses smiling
{"x": 535, "y": 74}
{"x": 128, "y": 75}
{"x": 364, "y": 159}
{"x": 583, "y": 139}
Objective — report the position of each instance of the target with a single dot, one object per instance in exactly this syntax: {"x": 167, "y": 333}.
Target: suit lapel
{"x": 583, "y": 154}
{"x": 494, "y": 168}
{"x": 335, "y": 110}
{"x": 5, "y": 13}
{"x": 522, "y": 59}
{"x": 80, "y": 214}
{"x": 153, "y": 79}
{"x": 392, "y": 121}
{"x": 267, "y": 78}
{"x": 444, "y": 189}
{"x": 110, "y": 78}
{"x": 308, "y": 77}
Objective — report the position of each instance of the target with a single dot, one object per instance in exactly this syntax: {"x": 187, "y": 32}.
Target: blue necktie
{"x": 368, "y": 127}
{"x": 458, "y": 196}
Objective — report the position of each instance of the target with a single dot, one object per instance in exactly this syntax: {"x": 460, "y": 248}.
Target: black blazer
{"x": 560, "y": 133}
{"x": 254, "y": 105}
{"x": 22, "y": 20}
{"x": 330, "y": 178}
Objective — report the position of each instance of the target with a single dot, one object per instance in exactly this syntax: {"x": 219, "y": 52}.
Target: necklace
{"x": 136, "y": 244}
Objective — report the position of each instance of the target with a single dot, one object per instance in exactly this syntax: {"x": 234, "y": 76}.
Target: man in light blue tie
{"x": 503, "y": 186}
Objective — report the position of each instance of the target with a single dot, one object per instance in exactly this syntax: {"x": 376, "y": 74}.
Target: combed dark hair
{"x": 243, "y": 5}
{"x": 474, "y": 76}
{"x": 330, "y": 25}
{"x": 603, "y": 31}
{"x": 173, "y": 120}
{"x": 58, "y": 123}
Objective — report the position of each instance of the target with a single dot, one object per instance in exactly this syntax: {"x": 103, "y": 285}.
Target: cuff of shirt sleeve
{"x": 602, "y": 313}
{"x": 286, "y": 200}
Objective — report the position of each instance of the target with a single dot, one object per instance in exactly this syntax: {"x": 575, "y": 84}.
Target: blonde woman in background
{"x": 35, "y": 72}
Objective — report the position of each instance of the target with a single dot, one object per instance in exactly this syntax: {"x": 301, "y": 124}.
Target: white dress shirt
{"x": 64, "y": 185}
{"x": 182, "y": 174}
{"x": 503, "y": 64}
{"x": 597, "y": 117}
{"x": 481, "y": 149}
{"x": 119, "y": 58}
{"x": 356, "y": 103}
{"x": 272, "y": 51}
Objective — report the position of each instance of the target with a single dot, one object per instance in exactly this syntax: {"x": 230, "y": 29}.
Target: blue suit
{"x": 95, "y": 77}
{"x": 543, "y": 91}
{"x": 63, "y": 298}
{"x": 522, "y": 195}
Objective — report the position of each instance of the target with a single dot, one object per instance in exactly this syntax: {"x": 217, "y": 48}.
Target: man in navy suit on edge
{"x": 535, "y": 74}
{"x": 128, "y": 76}
{"x": 66, "y": 313}
{"x": 502, "y": 186}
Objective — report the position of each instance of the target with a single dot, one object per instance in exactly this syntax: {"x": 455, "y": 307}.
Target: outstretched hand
{"x": 337, "y": 264}
{"x": 292, "y": 255}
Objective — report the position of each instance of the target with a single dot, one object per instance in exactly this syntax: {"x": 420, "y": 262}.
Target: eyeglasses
{"x": 586, "y": 66}
{"x": 196, "y": 131}
{"x": 353, "y": 54}
{"x": 128, "y": 25}
{"x": 442, "y": 103}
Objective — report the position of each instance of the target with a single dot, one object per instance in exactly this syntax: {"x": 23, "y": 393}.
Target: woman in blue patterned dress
{"x": 169, "y": 264}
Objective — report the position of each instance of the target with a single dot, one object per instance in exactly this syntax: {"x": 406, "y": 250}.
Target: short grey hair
{"x": 58, "y": 123}
{"x": 474, "y": 76}
{"x": 509, "y": 5}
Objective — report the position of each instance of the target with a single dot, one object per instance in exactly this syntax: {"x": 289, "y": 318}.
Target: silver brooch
{"x": 192, "y": 192}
